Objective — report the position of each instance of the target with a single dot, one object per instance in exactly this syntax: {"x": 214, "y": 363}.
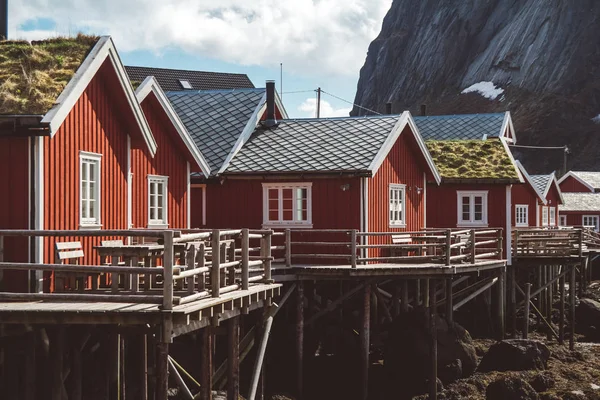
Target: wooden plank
{"x": 233, "y": 358}
{"x": 67, "y": 245}
{"x": 206, "y": 364}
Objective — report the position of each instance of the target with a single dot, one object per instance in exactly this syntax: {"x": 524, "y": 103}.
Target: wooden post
{"x": 57, "y": 351}
{"x": 1, "y": 260}
{"x": 206, "y": 364}
{"x": 404, "y": 295}
{"x": 353, "y": 248}
{"x": 258, "y": 365}
{"x": 231, "y": 279}
{"x": 245, "y": 258}
{"x": 513, "y": 300}
{"x": 29, "y": 340}
{"x": 572, "y": 291}
{"x": 300, "y": 340}
{"x": 473, "y": 239}
{"x": 396, "y": 300}
{"x": 449, "y": 301}
{"x": 500, "y": 302}
{"x": 499, "y": 245}
{"x": 215, "y": 273}
{"x": 426, "y": 299}
{"x": 223, "y": 259}
{"x": 433, "y": 343}
{"x": 191, "y": 264}
{"x": 561, "y": 323}
{"x": 448, "y": 246}
{"x": 168, "y": 273}
{"x": 288, "y": 248}
{"x": 365, "y": 343}
{"x": 233, "y": 358}
{"x": 135, "y": 367}
{"x": 113, "y": 359}
{"x": 549, "y": 297}
{"x": 538, "y": 284}
{"x": 162, "y": 370}
{"x": 268, "y": 261}
{"x": 526, "y": 312}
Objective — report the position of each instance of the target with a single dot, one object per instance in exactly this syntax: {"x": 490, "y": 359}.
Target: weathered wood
{"x": 233, "y": 358}
{"x": 288, "y": 248}
{"x": 561, "y": 321}
{"x": 180, "y": 382}
{"x": 449, "y": 301}
{"x": 433, "y": 342}
{"x": 206, "y": 364}
{"x": 353, "y": 247}
{"x": 81, "y": 297}
{"x": 365, "y": 343}
{"x": 162, "y": 370}
{"x": 267, "y": 261}
{"x": 215, "y": 274}
{"x": 168, "y": 261}
{"x": 57, "y": 352}
{"x": 337, "y": 302}
{"x": 475, "y": 294}
{"x": 526, "y": 311}
{"x": 513, "y": 300}
{"x": 245, "y": 258}
{"x": 572, "y": 292}
{"x": 29, "y": 384}
{"x": 258, "y": 365}
{"x": 300, "y": 340}
{"x": 75, "y": 375}
{"x": 404, "y": 295}
{"x": 500, "y": 291}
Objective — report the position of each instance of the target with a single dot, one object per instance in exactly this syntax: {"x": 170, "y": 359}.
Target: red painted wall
{"x": 523, "y": 193}
{"x": 14, "y": 206}
{"x": 196, "y": 209}
{"x": 575, "y": 218}
{"x": 571, "y": 184}
{"x": 169, "y": 160}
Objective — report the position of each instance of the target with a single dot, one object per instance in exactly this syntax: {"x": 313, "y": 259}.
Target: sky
{"x": 320, "y": 43}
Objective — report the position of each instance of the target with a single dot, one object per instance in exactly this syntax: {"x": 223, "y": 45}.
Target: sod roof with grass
{"x": 472, "y": 159}
{"x": 33, "y": 75}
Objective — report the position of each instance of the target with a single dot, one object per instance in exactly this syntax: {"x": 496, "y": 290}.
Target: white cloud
{"x": 309, "y": 107}
{"x": 486, "y": 89}
{"x": 308, "y": 36}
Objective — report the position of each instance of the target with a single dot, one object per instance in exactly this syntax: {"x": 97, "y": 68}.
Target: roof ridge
{"x": 341, "y": 118}
{"x": 209, "y": 91}
{"x": 457, "y": 115}
{"x": 187, "y": 70}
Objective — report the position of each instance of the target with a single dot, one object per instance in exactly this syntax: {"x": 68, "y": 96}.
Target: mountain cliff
{"x": 538, "y": 59}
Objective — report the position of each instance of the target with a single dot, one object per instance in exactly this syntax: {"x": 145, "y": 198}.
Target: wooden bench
{"x": 69, "y": 253}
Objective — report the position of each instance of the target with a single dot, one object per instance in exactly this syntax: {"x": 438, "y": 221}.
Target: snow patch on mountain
{"x": 486, "y": 89}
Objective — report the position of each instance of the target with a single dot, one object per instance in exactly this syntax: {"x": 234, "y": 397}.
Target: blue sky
{"x": 321, "y": 43}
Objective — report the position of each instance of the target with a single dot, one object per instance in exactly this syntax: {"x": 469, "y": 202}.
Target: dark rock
{"x": 549, "y": 396}
{"x": 587, "y": 317}
{"x": 510, "y": 387}
{"x": 515, "y": 355}
{"x": 451, "y": 372}
{"x": 542, "y": 382}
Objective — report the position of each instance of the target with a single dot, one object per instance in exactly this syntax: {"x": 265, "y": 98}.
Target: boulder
{"x": 515, "y": 355}
{"x": 542, "y": 382}
{"x": 510, "y": 387}
{"x": 588, "y": 318}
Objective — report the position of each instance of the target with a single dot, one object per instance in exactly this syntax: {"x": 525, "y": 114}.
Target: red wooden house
{"x": 526, "y": 202}
{"x": 547, "y": 212}
{"x": 580, "y": 182}
{"x": 581, "y": 192}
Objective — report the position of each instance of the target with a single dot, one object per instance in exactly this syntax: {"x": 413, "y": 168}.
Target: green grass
{"x": 471, "y": 159}
{"x": 32, "y": 75}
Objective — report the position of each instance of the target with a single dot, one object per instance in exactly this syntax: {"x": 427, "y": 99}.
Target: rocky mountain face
{"x": 538, "y": 59}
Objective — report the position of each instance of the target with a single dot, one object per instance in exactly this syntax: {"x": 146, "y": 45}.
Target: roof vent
{"x": 185, "y": 84}
{"x": 3, "y": 19}
{"x": 270, "y": 122}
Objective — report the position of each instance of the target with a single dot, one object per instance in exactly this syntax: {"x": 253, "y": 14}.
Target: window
{"x": 562, "y": 220}
{"x": 157, "y": 201}
{"x": 397, "y": 208}
{"x": 553, "y": 216}
{"x": 472, "y": 208}
{"x": 521, "y": 215}
{"x": 287, "y": 204}
{"x": 89, "y": 189}
{"x": 590, "y": 221}
{"x": 544, "y": 216}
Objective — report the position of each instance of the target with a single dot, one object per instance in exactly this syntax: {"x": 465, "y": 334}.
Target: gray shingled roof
{"x": 590, "y": 177}
{"x": 216, "y": 118}
{"x": 580, "y": 202}
{"x": 315, "y": 145}
{"x": 460, "y": 127}
{"x": 541, "y": 182}
{"x": 168, "y": 79}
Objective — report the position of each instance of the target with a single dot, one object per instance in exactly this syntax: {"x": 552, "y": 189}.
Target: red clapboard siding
{"x": 196, "y": 207}
{"x": 169, "y": 160}
{"x": 404, "y": 165}
{"x": 571, "y": 184}
{"x": 575, "y": 218}
{"x": 14, "y": 206}
{"x": 95, "y": 124}
{"x": 553, "y": 196}
{"x": 524, "y": 194}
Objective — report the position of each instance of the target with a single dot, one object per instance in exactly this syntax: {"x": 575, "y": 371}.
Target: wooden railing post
{"x": 472, "y": 238}
{"x": 201, "y": 259}
{"x": 288, "y": 248}
{"x": 191, "y": 264}
{"x": 267, "y": 261}
{"x": 499, "y": 244}
{"x": 448, "y": 246}
{"x": 245, "y": 258}
{"x": 168, "y": 270}
{"x": 353, "y": 248}
{"x": 1, "y": 260}
{"x": 215, "y": 273}
{"x": 516, "y": 243}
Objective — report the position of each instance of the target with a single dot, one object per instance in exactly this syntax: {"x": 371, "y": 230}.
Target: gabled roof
{"x": 150, "y": 85}
{"x": 170, "y": 79}
{"x": 580, "y": 202}
{"x": 591, "y": 179}
{"x": 480, "y": 160}
{"x": 328, "y": 145}
{"x": 529, "y": 179}
{"x": 466, "y": 126}
{"x": 543, "y": 183}
{"x": 216, "y": 119}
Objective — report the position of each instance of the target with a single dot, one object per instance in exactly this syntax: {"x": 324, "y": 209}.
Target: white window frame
{"x": 545, "y": 215}
{"x": 552, "y": 216}
{"x": 279, "y": 222}
{"x": 525, "y": 208}
{"x": 562, "y": 220}
{"x": 94, "y": 222}
{"x": 595, "y": 217}
{"x": 164, "y": 222}
{"x": 400, "y": 189}
{"x": 484, "y": 211}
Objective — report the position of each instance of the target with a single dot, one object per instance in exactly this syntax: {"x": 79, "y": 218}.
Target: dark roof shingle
{"x": 581, "y": 202}
{"x": 460, "y": 127}
{"x": 541, "y": 182}
{"x": 168, "y": 79}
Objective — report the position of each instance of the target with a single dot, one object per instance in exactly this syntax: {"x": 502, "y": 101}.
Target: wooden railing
{"x": 351, "y": 247}
{"x": 193, "y": 266}
{"x": 541, "y": 242}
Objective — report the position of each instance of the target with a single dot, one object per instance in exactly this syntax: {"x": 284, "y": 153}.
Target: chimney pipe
{"x": 3, "y": 19}
{"x": 270, "y": 121}
{"x": 423, "y": 110}
{"x": 388, "y": 108}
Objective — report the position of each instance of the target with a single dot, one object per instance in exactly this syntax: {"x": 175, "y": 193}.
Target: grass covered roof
{"x": 472, "y": 159}
{"x": 33, "y": 75}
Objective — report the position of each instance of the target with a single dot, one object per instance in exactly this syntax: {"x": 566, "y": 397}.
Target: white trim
{"x": 39, "y": 200}
{"x": 102, "y": 50}
{"x": 538, "y": 222}
{"x": 545, "y": 216}
{"x": 549, "y": 185}
{"x": 189, "y": 196}
{"x": 401, "y": 188}
{"x": 403, "y": 120}
{"x": 150, "y": 85}
{"x": 521, "y": 224}
{"x": 596, "y": 217}
{"x": 512, "y": 159}
{"x": 94, "y": 222}
{"x": 574, "y": 176}
{"x": 508, "y": 235}
{"x": 164, "y": 222}
{"x": 267, "y": 223}
{"x": 551, "y": 212}
{"x": 424, "y": 200}
{"x": 484, "y": 209}
{"x": 530, "y": 181}
{"x": 560, "y": 220}
{"x": 129, "y": 186}
{"x": 366, "y": 204}
{"x": 362, "y": 213}
{"x": 507, "y": 125}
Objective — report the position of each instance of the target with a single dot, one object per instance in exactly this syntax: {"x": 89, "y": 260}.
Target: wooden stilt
{"x": 365, "y": 342}
{"x": 136, "y": 368}
{"x": 76, "y": 376}
{"x": 549, "y": 276}
{"x": 561, "y": 323}
{"x": 206, "y": 367}
{"x": 259, "y": 331}
{"x": 233, "y": 358}
{"x": 449, "y": 301}
{"x": 151, "y": 354}
{"x": 526, "y": 311}
{"x": 500, "y": 303}
{"x": 57, "y": 351}
{"x": 572, "y": 296}
{"x": 162, "y": 370}
{"x": 30, "y": 367}
{"x": 300, "y": 340}
{"x": 433, "y": 343}
{"x": 513, "y": 300}
{"x": 404, "y": 295}
{"x": 396, "y": 300}
{"x": 374, "y": 309}
{"x": 426, "y": 293}
{"x": 418, "y": 292}
{"x": 114, "y": 349}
